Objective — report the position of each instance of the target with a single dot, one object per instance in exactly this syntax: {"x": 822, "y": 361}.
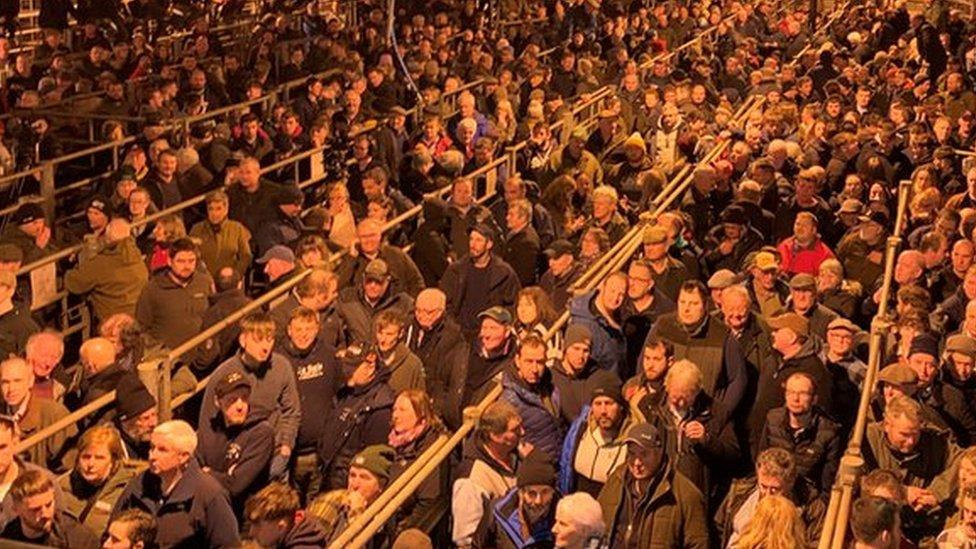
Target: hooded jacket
{"x": 238, "y": 456}
{"x": 501, "y": 527}
{"x": 113, "y": 279}
{"x": 538, "y": 406}
{"x": 479, "y": 479}
{"x": 195, "y": 513}
{"x": 569, "y": 478}
{"x": 361, "y": 418}
{"x": 608, "y": 349}
{"x": 318, "y": 379}
{"x": 273, "y": 389}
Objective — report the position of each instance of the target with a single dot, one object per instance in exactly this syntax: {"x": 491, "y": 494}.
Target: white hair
{"x": 179, "y": 434}
{"x": 584, "y": 512}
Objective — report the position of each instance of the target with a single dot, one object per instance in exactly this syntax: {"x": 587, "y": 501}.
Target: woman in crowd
{"x": 168, "y": 229}
{"x": 415, "y": 427}
{"x": 534, "y": 313}
{"x": 776, "y": 525}
{"x": 98, "y": 478}
{"x": 579, "y": 522}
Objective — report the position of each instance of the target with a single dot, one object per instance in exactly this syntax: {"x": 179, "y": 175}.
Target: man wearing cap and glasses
{"x": 644, "y": 499}
{"x": 768, "y": 290}
{"x": 358, "y": 305}
{"x": 803, "y": 301}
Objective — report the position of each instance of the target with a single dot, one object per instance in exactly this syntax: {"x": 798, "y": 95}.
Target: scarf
{"x": 399, "y": 440}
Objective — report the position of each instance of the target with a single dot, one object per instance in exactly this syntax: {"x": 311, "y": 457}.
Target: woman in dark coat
{"x": 414, "y": 428}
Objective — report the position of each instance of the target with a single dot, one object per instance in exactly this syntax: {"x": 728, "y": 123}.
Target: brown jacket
{"x": 673, "y": 515}
{"x": 53, "y": 453}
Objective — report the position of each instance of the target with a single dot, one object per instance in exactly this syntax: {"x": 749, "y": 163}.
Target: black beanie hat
{"x": 535, "y": 470}
{"x": 606, "y": 383}
{"x": 924, "y": 343}
{"x": 132, "y": 397}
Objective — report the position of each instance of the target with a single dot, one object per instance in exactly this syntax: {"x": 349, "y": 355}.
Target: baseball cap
{"x": 377, "y": 269}
{"x": 27, "y": 213}
{"x": 279, "y": 252}
{"x": 766, "y": 261}
{"x": 233, "y": 380}
{"x": 498, "y": 314}
{"x": 645, "y": 435}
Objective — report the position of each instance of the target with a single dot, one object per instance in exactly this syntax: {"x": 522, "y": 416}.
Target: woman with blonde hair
{"x": 775, "y": 525}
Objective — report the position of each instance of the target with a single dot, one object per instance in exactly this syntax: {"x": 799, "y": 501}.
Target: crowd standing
{"x": 701, "y": 396}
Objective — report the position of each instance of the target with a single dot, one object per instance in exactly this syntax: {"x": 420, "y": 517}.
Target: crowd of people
{"x": 701, "y": 396}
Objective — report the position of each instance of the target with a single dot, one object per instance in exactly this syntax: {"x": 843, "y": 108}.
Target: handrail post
{"x": 166, "y": 390}
{"x": 47, "y": 190}
{"x": 149, "y": 374}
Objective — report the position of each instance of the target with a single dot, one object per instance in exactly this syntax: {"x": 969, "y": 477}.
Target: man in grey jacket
{"x": 273, "y": 387}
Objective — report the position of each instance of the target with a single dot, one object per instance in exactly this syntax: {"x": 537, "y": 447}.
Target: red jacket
{"x": 797, "y": 259}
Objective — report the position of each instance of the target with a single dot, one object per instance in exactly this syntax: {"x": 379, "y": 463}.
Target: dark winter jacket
{"x": 238, "y": 456}
{"x": 195, "y": 513}
{"x": 608, "y": 348}
{"x": 538, "y": 406}
{"x": 817, "y": 447}
{"x": 357, "y": 314}
{"x": 444, "y": 354}
{"x": 172, "y": 313}
{"x": 463, "y": 304}
{"x": 361, "y": 419}
{"x": 318, "y": 379}
{"x": 671, "y": 514}
{"x": 273, "y": 389}
{"x": 405, "y": 272}
{"x": 415, "y": 512}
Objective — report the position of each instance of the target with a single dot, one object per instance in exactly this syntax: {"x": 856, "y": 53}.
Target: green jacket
{"x": 229, "y": 245}
{"x": 113, "y": 279}
{"x": 672, "y": 516}
{"x": 933, "y": 465}
{"x": 93, "y": 509}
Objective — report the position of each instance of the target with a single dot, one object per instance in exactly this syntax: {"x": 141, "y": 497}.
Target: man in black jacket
{"x": 190, "y": 507}
{"x": 362, "y": 415}
{"x": 317, "y": 374}
{"x": 437, "y": 341}
{"x": 949, "y": 402}
{"x": 237, "y": 448}
{"x": 479, "y": 281}
{"x": 801, "y": 428}
{"x": 229, "y": 298}
{"x": 563, "y": 271}
{"x": 522, "y": 247}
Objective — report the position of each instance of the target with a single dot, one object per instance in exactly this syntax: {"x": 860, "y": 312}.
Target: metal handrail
{"x": 842, "y": 492}
{"x": 370, "y": 521}
{"x": 427, "y": 462}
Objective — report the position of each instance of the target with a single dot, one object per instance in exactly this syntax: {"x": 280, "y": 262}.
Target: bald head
{"x": 909, "y": 267}
{"x": 97, "y": 354}
{"x": 117, "y": 230}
